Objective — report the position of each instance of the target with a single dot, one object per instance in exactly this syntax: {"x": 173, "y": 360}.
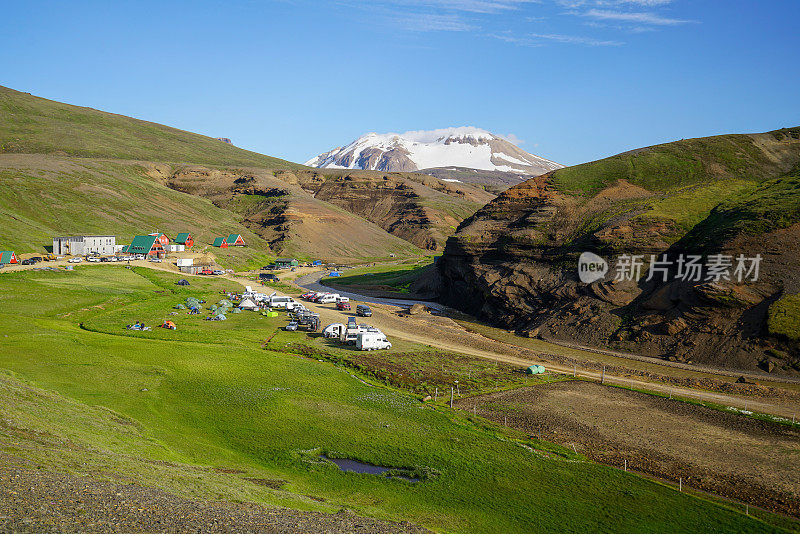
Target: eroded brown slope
{"x": 284, "y": 206}
{"x": 515, "y": 261}
{"x": 290, "y": 219}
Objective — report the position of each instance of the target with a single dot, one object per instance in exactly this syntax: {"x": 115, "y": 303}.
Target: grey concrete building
{"x": 85, "y": 244}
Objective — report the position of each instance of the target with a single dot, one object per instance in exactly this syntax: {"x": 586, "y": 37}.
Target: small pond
{"x": 354, "y": 466}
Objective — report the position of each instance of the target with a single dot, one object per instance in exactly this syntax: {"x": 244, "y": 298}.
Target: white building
{"x": 175, "y": 248}
{"x": 85, "y": 244}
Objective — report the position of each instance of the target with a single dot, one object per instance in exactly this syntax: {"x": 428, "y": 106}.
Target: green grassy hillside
{"x": 45, "y": 196}
{"x": 687, "y": 162}
{"x": 206, "y": 395}
{"x": 33, "y": 125}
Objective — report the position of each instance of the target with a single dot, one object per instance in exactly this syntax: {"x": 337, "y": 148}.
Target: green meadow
{"x": 396, "y": 276}
{"x": 204, "y": 410}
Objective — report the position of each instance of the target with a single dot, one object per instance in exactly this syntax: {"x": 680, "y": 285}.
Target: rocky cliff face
{"x": 516, "y": 260}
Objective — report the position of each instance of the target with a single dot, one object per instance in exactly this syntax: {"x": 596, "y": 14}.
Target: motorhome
{"x": 327, "y": 299}
{"x": 372, "y": 341}
{"x": 351, "y": 333}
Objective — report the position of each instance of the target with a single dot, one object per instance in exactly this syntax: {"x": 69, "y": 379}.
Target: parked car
{"x": 93, "y": 259}
{"x": 27, "y": 262}
{"x": 36, "y": 259}
{"x": 217, "y": 271}
{"x": 155, "y": 260}
{"x": 206, "y": 272}
{"x": 343, "y": 306}
{"x": 291, "y": 326}
{"x": 363, "y": 310}
{"x": 327, "y": 299}
{"x": 269, "y": 277}
{"x": 76, "y": 259}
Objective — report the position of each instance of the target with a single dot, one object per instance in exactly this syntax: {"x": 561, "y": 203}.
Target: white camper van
{"x": 372, "y": 341}
{"x": 327, "y": 299}
{"x": 276, "y": 301}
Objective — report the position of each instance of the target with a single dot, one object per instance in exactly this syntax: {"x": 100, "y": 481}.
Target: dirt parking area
{"x": 726, "y": 454}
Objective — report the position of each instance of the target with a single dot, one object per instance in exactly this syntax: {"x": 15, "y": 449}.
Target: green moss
{"x": 784, "y": 317}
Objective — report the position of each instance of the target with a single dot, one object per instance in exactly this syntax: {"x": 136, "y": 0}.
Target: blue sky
{"x": 571, "y": 80}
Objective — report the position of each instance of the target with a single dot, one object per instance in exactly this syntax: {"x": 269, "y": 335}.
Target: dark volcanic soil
{"x": 727, "y": 454}
{"x": 34, "y": 501}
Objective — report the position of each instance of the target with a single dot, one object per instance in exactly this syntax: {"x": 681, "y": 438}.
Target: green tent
{"x": 534, "y": 370}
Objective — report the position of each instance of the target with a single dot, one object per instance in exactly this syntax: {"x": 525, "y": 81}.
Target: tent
{"x": 169, "y": 325}
{"x": 182, "y": 282}
{"x": 534, "y": 370}
{"x": 247, "y": 304}
{"x": 220, "y": 317}
{"x": 180, "y": 306}
{"x": 236, "y": 310}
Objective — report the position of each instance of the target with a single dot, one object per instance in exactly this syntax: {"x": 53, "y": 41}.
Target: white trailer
{"x": 372, "y": 341}
{"x": 185, "y": 262}
{"x": 335, "y": 330}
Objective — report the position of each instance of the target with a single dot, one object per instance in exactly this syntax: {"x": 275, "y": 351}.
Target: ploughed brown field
{"x": 724, "y": 453}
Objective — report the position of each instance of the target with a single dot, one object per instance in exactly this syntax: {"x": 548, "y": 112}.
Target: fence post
{"x": 603, "y": 376}
{"x": 451, "y": 397}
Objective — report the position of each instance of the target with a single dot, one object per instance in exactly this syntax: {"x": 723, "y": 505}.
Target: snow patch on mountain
{"x": 466, "y": 147}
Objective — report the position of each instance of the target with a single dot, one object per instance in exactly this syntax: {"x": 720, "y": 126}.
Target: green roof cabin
{"x": 185, "y": 238}
{"x": 285, "y": 263}
{"x": 220, "y": 242}
{"x": 148, "y": 245}
{"x": 7, "y": 256}
{"x": 235, "y": 240}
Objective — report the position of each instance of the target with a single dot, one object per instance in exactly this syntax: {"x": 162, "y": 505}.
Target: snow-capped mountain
{"x": 465, "y": 147}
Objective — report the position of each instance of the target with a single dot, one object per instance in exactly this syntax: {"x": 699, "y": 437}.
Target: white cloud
{"x": 426, "y": 22}
{"x": 540, "y": 39}
{"x": 511, "y": 138}
{"x": 639, "y": 18}
{"x": 471, "y": 6}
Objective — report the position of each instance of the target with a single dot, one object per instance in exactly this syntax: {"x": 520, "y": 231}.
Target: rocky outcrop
{"x": 515, "y": 262}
